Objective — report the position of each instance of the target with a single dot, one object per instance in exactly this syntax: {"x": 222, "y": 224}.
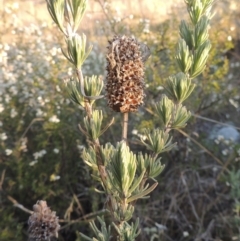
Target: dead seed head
{"x": 43, "y": 223}
{"x": 125, "y": 74}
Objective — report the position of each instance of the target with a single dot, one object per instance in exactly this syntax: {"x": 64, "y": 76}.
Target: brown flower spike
{"x": 43, "y": 223}
{"x": 125, "y": 74}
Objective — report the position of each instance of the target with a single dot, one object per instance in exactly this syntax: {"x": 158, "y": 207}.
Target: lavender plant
{"x": 125, "y": 176}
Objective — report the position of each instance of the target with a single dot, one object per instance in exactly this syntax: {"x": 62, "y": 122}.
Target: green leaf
{"x": 201, "y": 32}
{"x": 158, "y": 141}
{"x": 179, "y": 87}
{"x": 92, "y": 87}
{"x": 181, "y": 117}
{"x": 142, "y": 194}
{"x": 56, "y": 11}
{"x": 186, "y": 34}
{"x": 74, "y": 92}
{"x": 183, "y": 57}
{"x": 164, "y": 110}
{"x": 94, "y": 124}
{"x": 89, "y": 157}
{"x": 126, "y": 231}
{"x": 199, "y": 59}
{"x": 151, "y": 164}
{"x": 78, "y": 8}
{"x": 195, "y": 10}
{"x": 85, "y": 237}
{"x": 102, "y": 235}
{"x": 122, "y": 169}
{"x": 136, "y": 183}
{"x": 76, "y": 52}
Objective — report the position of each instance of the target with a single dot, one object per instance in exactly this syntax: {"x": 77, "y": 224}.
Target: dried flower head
{"x": 125, "y": 74}
{"x": 43, "y": 223}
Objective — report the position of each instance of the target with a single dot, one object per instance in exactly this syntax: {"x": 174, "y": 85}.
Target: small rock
{"x": 226, "y": 132}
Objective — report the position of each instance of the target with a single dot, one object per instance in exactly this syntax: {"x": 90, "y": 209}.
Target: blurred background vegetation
{"x": 198, "y": 197}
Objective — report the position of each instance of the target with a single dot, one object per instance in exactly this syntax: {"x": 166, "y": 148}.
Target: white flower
{"x": 36, "y": 155}
{"x": 55, "y": 150}
{"x": 8, "y": 152}
{"x": 234, "y": 103}
{"x": 39, "y": 154}
{"x": 230, "y": 76}
{"x": 54, "y": 119}
{"x": 54, "y": 177}
{"x": 23, "y": 146}
{"x": 226, "y": 142}
{"x": 1, "y": 108}
{"x": 237, "y": 64}
{"x": 3, "y": 136}
{"x": 13, "y": 113}
{"x": 143, "y": 137}
{"x": 134, "y": 132}
{"x": 146, "y": 29}
{"x": 220, "y": 137}
{"x": 216, "y": 141}
{"x": 70, "y": 71}
{"x": 117, "y": 19}
{"x": 53, "y": 51}
{"x": 15, "y": 5}
{"x": 58, "y": 88}
{"x": 6, "y": 47}
{"x": 80, "y": 147}
{"x": 39, "y": 113}
{"x": 237, "y": 159}
{"x": 41, "y": 100}
{"x": 225, "y": 152}
{"x": 13, "y": 90}
{"x": 43, "y": 152}
{"x": 32, "y": 163}
{"x": 160, "y": 226}
{"x": 228, "y": 184}
{"x": 7, "y": 98}
{"x": 159, "y": 87}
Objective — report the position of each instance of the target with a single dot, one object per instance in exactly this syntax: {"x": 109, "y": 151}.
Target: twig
{"x": 2, "y": 178}
{"x": 109, "y": 19}
{"x": 200, "y": 145}
{"x": 207, "y": 234}
{"x": 31, "y": 123}
{"x": 85, "y": 218}
{"x": 18, "y": 205}
{"x": 214, "y": 121}
{"x": 189, "y": 197}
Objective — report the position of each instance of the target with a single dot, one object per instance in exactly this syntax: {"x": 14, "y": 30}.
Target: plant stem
{"x": 125, "y": 126}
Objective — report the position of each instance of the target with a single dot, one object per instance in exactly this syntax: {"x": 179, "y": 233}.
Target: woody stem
{"x": 125, "y": 126}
